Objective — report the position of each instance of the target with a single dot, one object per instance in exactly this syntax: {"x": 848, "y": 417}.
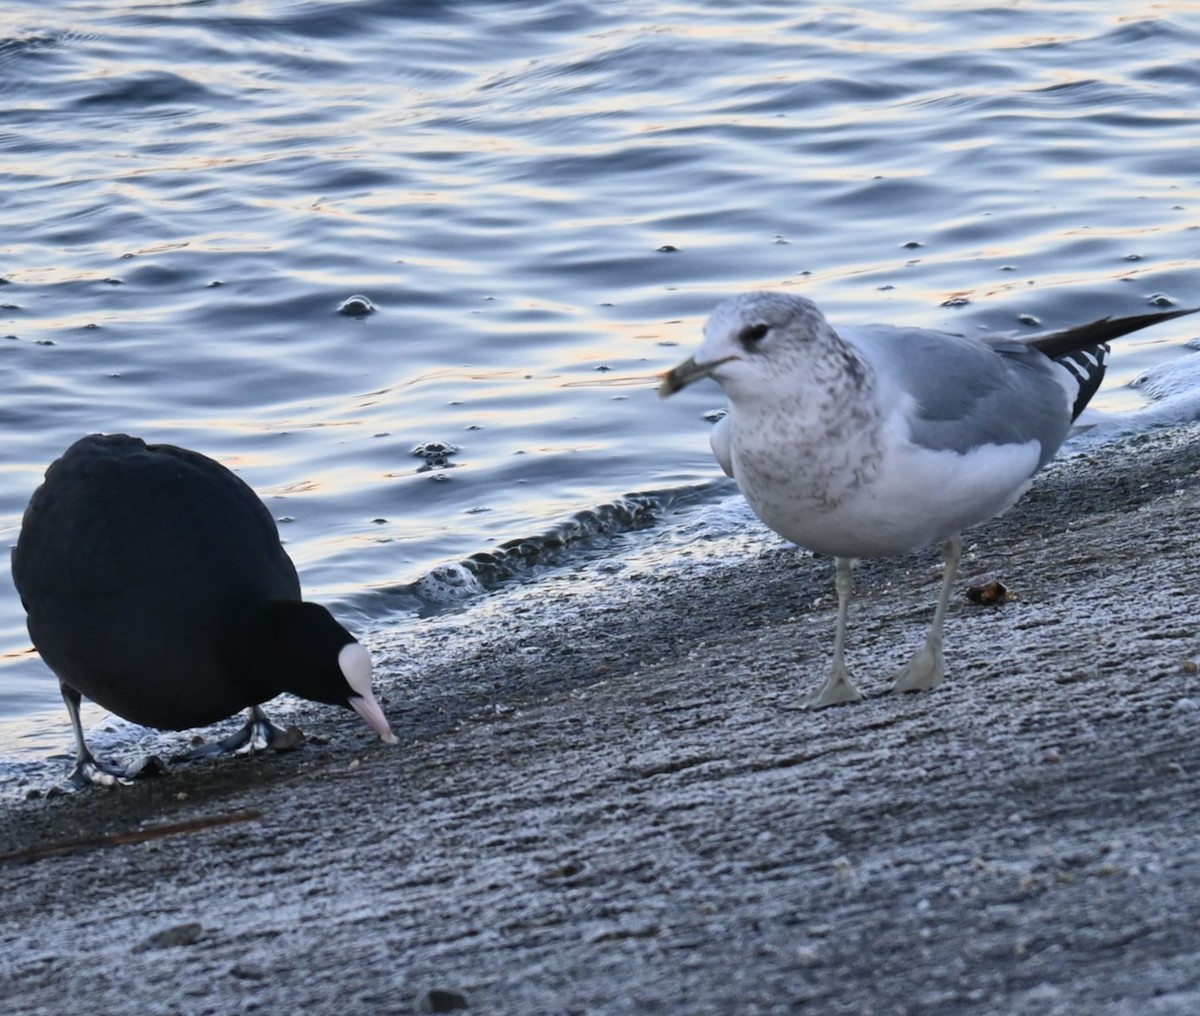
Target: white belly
{"x": 854, "y": 500}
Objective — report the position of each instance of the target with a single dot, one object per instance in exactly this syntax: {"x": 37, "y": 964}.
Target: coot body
{"x": 156, "y": 585}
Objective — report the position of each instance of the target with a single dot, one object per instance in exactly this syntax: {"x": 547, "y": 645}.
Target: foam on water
{"x": 307, "y": 239}
{"x": 446, "y": 584}
{"x": 1172, "y": 378}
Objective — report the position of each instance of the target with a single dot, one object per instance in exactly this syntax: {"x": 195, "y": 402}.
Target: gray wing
{"x": 967, "y": 392}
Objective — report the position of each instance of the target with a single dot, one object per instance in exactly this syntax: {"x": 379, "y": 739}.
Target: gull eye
{"x": 752, "y": 335}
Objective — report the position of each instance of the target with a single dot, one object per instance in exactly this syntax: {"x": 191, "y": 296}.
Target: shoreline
{"x": 614, "y": 806}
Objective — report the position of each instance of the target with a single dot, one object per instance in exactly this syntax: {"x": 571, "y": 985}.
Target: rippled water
{"x": 541, "y": 201}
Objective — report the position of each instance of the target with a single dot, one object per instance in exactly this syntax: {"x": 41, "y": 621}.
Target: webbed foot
{"x": 923, "y": 672}
{"x": 836, "y": 689}
{"x": 258, "y": 734}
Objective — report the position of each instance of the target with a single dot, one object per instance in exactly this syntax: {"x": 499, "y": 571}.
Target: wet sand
{"x": 616, "y": 807}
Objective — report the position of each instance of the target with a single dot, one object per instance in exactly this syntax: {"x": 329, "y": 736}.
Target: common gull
{"x": 878, "y": 440}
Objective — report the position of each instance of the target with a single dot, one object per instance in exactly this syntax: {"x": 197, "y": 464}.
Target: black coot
{"x": 156, "y": 585}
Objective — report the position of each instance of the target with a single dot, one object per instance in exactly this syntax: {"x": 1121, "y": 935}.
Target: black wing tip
{"x": 1094, "y": 333}
{"x": 1087, "y": 366}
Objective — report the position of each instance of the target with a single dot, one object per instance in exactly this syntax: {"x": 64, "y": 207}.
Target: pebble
{"x": 180, "y": 934}
{"x": 442, "y": 1000}
{"x": 245, "y": 971}
{"x": 989, "y": 593}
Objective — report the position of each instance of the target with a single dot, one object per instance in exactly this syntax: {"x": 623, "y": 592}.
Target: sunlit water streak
{"x": 542, "y": 201}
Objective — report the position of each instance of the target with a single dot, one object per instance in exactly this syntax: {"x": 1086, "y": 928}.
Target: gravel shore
{"x": 615, "y": 806}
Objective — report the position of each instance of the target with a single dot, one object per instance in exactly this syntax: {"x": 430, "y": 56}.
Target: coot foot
{"x": 258, "y": 734}
{"x": 89, "y": 771}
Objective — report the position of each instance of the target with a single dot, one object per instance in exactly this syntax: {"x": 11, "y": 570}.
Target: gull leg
{"x": 925, "y": 669}
{"x": 258, "y": 734}
{"x": 838, "y": 687}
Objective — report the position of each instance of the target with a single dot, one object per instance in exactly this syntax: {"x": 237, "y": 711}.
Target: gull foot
{"x": 837, "y": 689}
{"x": 923, "y": 672}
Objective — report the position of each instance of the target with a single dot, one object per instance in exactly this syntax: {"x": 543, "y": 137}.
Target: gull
{"x": 878, "y": 440}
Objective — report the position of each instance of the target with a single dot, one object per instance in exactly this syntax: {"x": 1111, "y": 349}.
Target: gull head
{"x": 752, "y": 340}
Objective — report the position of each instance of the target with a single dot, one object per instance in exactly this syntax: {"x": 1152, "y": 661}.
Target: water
{"x": 541, "y": 201}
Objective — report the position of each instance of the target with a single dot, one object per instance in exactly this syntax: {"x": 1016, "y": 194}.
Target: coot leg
{"x": 87, "y": 769}
{"x": 258, "y": 734}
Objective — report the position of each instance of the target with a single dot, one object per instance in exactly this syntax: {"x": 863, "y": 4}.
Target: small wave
{"x": 1173, "y": 391}
{"x": 1170, "y": 379}
{"x": 24, "y": 45}
{"x": 583, "y": 536}
{"x": 157, "y": 88}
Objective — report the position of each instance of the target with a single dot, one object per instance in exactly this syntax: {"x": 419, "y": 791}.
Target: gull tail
{"x": 1083, "y": 349}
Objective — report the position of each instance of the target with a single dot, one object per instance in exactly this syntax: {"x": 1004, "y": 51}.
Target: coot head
{"x": 299, "y": 647}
